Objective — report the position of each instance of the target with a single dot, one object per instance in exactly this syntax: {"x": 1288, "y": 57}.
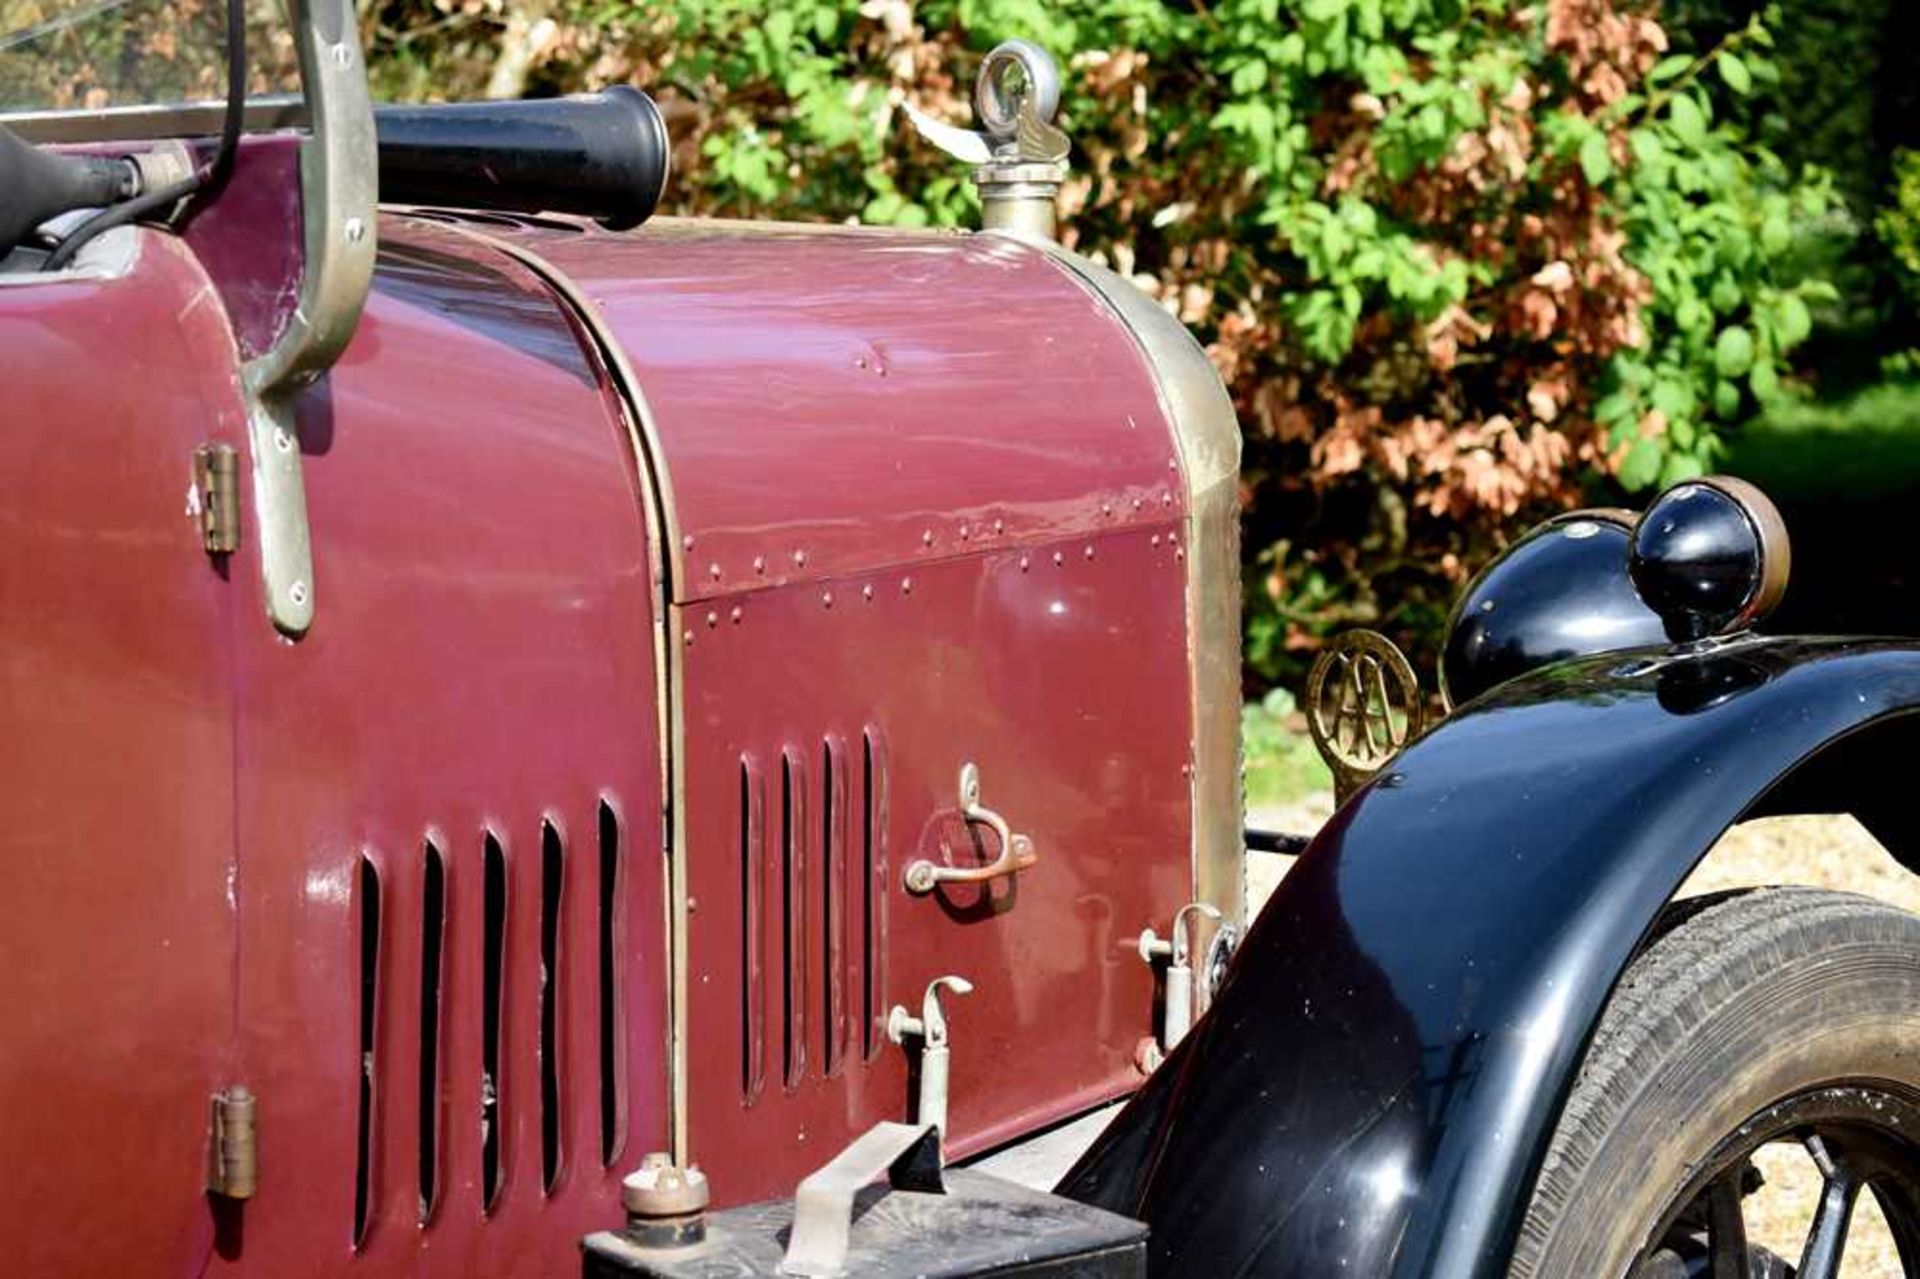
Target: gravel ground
{"x": 1825, "y": 852}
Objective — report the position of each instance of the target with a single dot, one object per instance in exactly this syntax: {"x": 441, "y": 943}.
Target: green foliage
{"x": 806, "y": 122}
{"x": 1847, "y": 99}
{"x": 1899, "y": 222}
{"x": 1824, "y": 457}
{"x": 1710, "y": 215}
{"x": 1845, "y": 78}
{"x": 1281, "y": 763}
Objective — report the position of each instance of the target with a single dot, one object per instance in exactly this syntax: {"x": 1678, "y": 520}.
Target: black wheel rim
{"x": 1862, "y": 1137}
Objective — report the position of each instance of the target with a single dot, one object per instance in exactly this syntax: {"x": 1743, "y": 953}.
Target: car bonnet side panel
{"x": 448, "y": 976}
{"x": 928, "y": 510}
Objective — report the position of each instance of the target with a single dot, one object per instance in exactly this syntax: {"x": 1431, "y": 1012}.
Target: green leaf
{"x": 1614, "y": 409}
{"x": 1641, "y": 466}
{"x": 1647, "y": 147}
{"x": 1765, "y": 382}
{"x": 1735, "y": 73}
{"x": 1795, "y": 321}
{"x": 1679, "y": 468}
{"x": 1673, "y": 398}
{"x": 1632, "y": 372}
{"x": 1733, "y": 352}
{"x": 1726, "y": 400}
{"x": 780, "y": 28}
{"x": 1691, "y": 315}
{"x": 1776, "y": 234}
{"x": 1737, "y": 248}
{"x": 1726, "y": 294}
{"x": 1689, "y": 121}
{"x": 1669, "y": 67}
{"x": 1596, "y": 160}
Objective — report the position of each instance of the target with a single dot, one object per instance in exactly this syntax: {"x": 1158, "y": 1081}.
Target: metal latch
{"x": 1016, "y": 851}
{"x": 931, "y": 1027}
{"x": 233, "y": 1170}
{"x": 216, "y": 498}
{"x": 1188, "y": 989}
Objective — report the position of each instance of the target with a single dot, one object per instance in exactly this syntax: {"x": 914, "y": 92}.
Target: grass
{"x": 1864, "y": 446}
{"x": 1282, "y": 766}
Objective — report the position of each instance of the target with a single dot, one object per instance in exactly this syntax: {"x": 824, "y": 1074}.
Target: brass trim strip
{"x": 1207, "y": 440}
{"x": 656, "y": 498}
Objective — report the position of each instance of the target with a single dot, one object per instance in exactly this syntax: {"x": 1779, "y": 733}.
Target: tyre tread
{"x": 1702, "y": 957}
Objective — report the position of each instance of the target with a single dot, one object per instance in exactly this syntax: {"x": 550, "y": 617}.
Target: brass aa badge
{"x": 1363, "y": 705}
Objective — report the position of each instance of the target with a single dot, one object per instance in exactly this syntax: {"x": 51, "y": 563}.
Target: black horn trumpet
{"x": 604, "y": 155}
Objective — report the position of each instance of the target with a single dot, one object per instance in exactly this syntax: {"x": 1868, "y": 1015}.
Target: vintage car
{"x": 539, "y": 736}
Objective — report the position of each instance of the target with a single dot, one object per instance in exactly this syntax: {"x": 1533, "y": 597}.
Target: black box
{"x": 983, "y": 1225}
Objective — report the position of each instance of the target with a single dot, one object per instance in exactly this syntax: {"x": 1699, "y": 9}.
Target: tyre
{"x": 1779, "y": 1015}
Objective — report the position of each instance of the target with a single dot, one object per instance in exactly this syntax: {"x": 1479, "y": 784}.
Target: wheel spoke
{"x": 1862, "y": 1139}
{"x": 1727, "y": 1226}
{"x": 1899, "y": 1199}
{"x": 1827, "y": 1241}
